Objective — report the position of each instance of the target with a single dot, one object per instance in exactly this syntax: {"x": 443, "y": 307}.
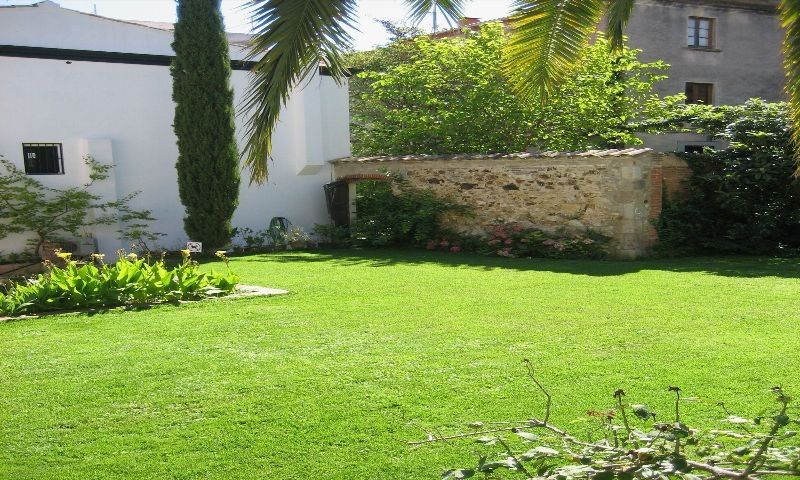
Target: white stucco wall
{"x": 125, "y": 111}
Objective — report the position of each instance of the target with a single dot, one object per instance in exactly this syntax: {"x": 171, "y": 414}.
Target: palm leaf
{"x": 618, "y": 14}
{"x": 291, "y": 38}
{"x": 546, "y": 43}
{"x": 790, "y": 19}
{"x": 452, "y": 9}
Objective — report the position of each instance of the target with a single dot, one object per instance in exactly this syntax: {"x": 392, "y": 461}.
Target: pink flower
{"x": 505, "y": 252}
{"x": 444, "y": 243}
{"x": 455, "y": 249}
{"x": 494, "y": 242}
{"x": 549, "y": 242}
{"x": 509, "y": 241}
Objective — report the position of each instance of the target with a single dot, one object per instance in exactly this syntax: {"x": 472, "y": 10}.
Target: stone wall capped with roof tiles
{"x": 614, "y": 192}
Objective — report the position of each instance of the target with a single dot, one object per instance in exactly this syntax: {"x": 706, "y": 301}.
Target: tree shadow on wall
{"x": 729, "y": 266}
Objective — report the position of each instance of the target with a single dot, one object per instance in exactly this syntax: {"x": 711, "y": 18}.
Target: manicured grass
{"x": 333, "y": 379}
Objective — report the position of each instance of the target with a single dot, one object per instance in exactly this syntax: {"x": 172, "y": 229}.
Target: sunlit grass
{"x": 333, "y": 379}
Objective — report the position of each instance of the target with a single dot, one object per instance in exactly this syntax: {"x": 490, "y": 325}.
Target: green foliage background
{"x": 208, "y": 160}
{"x": 742, "y": 199}
{"x": 450, "y": 96}
{"x": 397, "y": 213}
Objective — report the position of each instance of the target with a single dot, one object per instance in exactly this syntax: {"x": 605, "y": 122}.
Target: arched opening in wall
{"x": 340, "y": 196}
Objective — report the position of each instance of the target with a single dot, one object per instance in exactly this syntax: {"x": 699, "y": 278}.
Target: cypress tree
{"x": 208, "y": 158}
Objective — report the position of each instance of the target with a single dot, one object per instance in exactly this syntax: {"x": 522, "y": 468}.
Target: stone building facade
{"x": 722, "y": 52}
{"x": 614, "y": 192}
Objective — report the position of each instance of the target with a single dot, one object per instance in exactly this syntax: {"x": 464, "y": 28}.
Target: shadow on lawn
{"x": 749, "y": 267}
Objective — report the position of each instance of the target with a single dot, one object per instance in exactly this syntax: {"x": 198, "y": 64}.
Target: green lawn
{"x": 331, "y": 380}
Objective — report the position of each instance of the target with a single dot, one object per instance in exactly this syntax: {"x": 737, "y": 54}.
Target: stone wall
{"x": 613, "y": 192}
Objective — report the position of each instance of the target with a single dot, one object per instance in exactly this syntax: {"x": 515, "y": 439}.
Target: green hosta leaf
{"x": 530, "y": 437}
{"x": 741, "y": 451}
{"x": 650, "y": 473}
{"x": 489, "y": 467}
{"x": 458, "y": 474}
{"x": 689, "y": 476}
{"x": 737, "y": 420}
{"x": 644, "y": 451}
{"x": 574, "y": 471}
{"x": 603, "y": 475}
{"x": 781, "y": 420}
{"x": 679, "y": 430}
{"x": 678, "y": 463}
{"x": 642, "y": 411}
{"x": 540, "y": 452}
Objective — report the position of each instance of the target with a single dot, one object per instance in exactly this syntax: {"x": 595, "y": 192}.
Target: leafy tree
{"x": 293, "y": 37}
{"x": 208, "y": 170}
{"x": 400, "y": 50}
{"x": 29, "y": 207}
{"x": 450, "y": 96}
{"x": 741, "y": 199}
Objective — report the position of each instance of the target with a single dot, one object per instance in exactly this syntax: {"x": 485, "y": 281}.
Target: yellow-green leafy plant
{"x": 130, "y": 281}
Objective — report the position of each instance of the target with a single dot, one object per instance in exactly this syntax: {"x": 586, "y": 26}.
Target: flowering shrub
{"x": 514, "y": 240}
{"x": 444, "y": 245}
{"x": 296, "y": 237}
{"x": 129, "y": 281}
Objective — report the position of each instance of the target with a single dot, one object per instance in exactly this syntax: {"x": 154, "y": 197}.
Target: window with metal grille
{"x": 43, "y": 158}
{"x": 700, "y": 32}
{"x": 700, "y": 93}
{"x": 693, "y": 148}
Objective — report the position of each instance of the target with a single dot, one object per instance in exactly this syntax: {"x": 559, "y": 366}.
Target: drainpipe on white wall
{"x": 306, "y": 114}
{"x": 106, "y": 236}
{"x": 351, "y": 199}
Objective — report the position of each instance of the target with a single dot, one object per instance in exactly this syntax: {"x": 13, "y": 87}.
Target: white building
{"x": 91, "y": 85}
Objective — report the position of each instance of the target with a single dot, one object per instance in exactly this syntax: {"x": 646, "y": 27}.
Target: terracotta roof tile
{"x": 627, "y": 152}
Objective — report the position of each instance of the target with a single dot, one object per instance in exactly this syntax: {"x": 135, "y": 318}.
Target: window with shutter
{"x": 700, "y": 93}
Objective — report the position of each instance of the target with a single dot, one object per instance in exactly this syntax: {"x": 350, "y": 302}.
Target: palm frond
{"x": 790, "y": 20}
{"x": 452, "y": 9}
{"x": 618, "y": 13}
{"x": 547, "y": 39}
{"x": 291, "y": 38}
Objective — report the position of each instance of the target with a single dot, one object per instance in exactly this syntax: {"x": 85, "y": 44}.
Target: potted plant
{"x": 297, "y": 238}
